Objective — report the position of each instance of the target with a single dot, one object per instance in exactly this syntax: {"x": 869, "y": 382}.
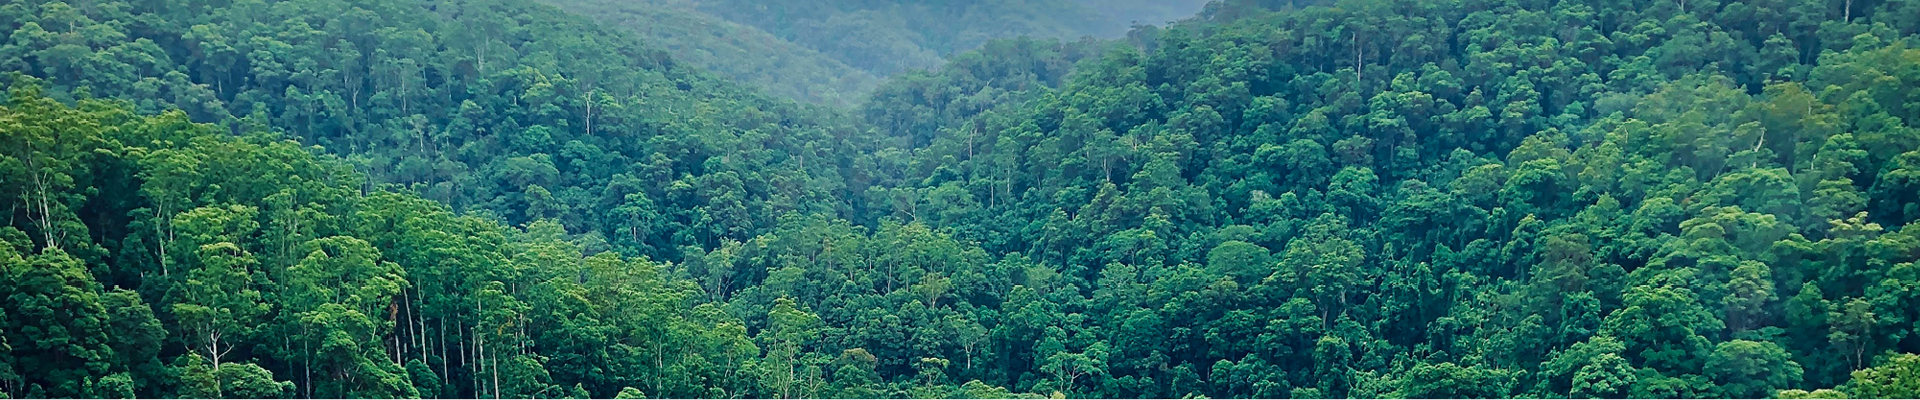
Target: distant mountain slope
{"x": 831, "y": 52}
{"x": 1125, "y": 13}
{"x": 743, "y": 53}
{"x": 886, "y": 37}
{"x": 504, "y": 106}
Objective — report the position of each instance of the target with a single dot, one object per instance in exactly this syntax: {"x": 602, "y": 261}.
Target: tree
{"x": 1325, "y": 265}
{"x": 789, "y": 331}
{"x": 218, "y": 303}
{"x": 1244, "y": 262}
{"x": 1896, "y": 377}
{"x": 59, "y": 325}
{"x": 1749, "y": 290}
{"x": 232, "y": 380}
{"x": 1591, "y": 368}
{"x": 1446, "y": 380}
{"x": 1067, "y": 368}
{"x": 1664, "y": 326}
{"x": 47, "y": 157}
{"x": 1816, "y": 394}
{"x": 137, "y": 341}
{"x": 339, "y": 292}
{"x": 1607, "y": 376}
{"x": 1750, "y": 369}
{"x": 1851, "y": 324}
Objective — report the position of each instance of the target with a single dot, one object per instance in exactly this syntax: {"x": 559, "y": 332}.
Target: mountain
{"x": 1145, "y": 12}
{"x": 742, "y": 53}
{"x": 1272, "y": 199}
{"x": 835, "y": 52}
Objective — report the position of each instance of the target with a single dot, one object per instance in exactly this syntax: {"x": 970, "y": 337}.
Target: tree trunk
{"x": 496, "y": 374}
{"x": 443, "y": 351}
{"x": 308, "y": 367}
{"x": 213, "y": 350}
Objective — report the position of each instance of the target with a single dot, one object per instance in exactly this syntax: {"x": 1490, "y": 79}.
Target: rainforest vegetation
{"x": 1266, "y": 199}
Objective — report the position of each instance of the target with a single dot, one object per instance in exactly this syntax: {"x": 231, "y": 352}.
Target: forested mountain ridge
{"x": 276, "y": 276}
{"x": 1145, "y": 12}
{"x": 742, "y": 53}
{"x": 831, "y": 52}
{"x": 1504, "y": 199}
{"x": 1360, "y": 199}
{"x": 507, "y": 106}
{"x": 888, "y": 37}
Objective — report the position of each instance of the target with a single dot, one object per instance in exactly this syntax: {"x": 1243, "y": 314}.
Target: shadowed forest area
{"x": 960, "y": 199}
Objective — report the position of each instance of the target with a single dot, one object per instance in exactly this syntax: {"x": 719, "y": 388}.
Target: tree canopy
{"x": 1273, "y": 199}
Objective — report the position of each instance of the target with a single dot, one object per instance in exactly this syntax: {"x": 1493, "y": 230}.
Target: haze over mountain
{"x": 835, "y": 52}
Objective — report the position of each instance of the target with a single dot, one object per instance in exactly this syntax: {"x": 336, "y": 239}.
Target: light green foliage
{"x": 1448, "y": 381}
{"x": 1897, "y": 377}
{"x": 1749, "y": 369}
{"x": 1816, "y": 394}
{"x": 201, "y": 379}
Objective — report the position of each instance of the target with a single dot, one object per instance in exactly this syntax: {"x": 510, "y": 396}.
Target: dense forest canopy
{"x": 1274, "y": 199}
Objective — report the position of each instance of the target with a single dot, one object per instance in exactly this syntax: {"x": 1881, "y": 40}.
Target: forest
{"x": 960, "y": 199}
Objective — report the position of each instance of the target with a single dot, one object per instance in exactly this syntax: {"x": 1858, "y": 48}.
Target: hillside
{"x": 1274, "y": 199}
{"x": 742, "y": 53}
{"x": 510, "y": 107}
{"x": 887, "y": 37}
{"x": 1451, "y": 199}
{"x": 1125, "y": 13}
{"x": 835, "y": 52}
